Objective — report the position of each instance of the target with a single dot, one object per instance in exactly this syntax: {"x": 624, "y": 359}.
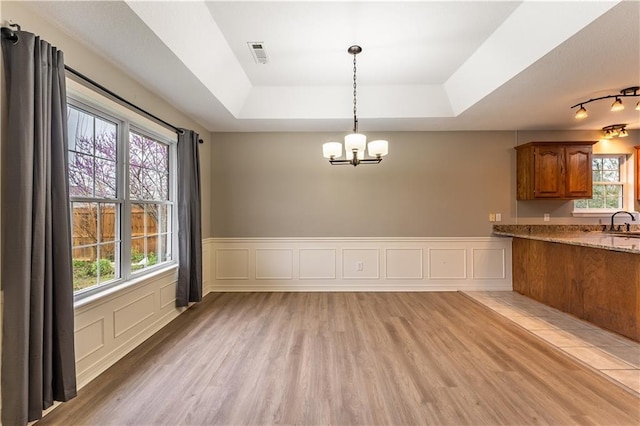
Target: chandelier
{"x": 355, "y": 143}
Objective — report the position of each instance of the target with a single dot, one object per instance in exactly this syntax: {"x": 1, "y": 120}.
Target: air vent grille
{"x": 258, "y": 51}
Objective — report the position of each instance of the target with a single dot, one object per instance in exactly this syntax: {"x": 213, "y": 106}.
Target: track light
{"x": 615, "y": 130}
{"x": 615, "y": 106}
{"x": 581, "y": 113}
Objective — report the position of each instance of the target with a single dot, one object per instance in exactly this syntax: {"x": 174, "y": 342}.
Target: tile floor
{"x": 614, "y": 356}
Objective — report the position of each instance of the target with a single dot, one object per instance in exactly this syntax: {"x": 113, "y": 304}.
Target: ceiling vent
{"x": 258, "y": 51}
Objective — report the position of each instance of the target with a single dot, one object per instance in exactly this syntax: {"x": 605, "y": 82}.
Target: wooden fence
{"x": 85, "y": 232}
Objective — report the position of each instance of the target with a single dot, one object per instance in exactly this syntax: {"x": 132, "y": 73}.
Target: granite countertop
{"x": 579, "y": 235}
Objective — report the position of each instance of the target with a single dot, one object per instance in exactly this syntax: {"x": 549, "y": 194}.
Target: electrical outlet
{"x": 492, "y": 217}
{"x": 546, "y": 217}
{"x": 359, "y": 266}
{"x": 498, "y": 217}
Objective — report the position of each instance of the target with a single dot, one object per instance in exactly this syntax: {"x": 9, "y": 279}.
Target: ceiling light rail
{"x": 355, "y": 143}
{"x": 615, "y": 131}
{"x": 617, "y": 105}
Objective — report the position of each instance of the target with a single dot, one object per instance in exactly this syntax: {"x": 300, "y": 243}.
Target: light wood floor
{"x": 346, "y": 359}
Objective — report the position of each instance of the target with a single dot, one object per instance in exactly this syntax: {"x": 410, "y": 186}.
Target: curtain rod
{"x": 13, "y": 37}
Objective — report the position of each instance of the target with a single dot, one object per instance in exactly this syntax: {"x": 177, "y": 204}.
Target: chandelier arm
{"x": 351, "y": 162}
{"x": 340, "y": 162}
{"x": 371, "y": 160}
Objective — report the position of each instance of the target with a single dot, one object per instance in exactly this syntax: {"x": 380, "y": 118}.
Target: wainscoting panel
{"x": 89, "y": 339}
{"x": 232, "y": 264}
{"x": 207, "y": 265}
{"x": 168, "y": 294}
{"x": 108, "y": 327}
{"x": 132, "y": 313}
{"x": 447, "y": 263}
{"x": 274, "y": 264}
{"x": 404, "y": 264}
{"x": 317, "y": 264}
{"x": 489, "y": 263}
{"x": 359, "y": 264}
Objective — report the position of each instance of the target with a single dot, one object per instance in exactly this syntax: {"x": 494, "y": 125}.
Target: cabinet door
{"x": 578, "y": 177}
{"x": 636, "y": 173}
{"x": 548, "y": 171}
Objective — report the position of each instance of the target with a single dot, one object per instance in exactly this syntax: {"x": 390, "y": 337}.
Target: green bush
{"x": 136, "y": 256}
{"x": 81, "y": 268}
{"x": 87, "y": 269}
{"x": 106, "y": 268}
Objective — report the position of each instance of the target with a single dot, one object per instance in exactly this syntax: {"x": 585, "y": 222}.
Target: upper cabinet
{"x": 637, "y": 172}
{"x": 554, "y": 170}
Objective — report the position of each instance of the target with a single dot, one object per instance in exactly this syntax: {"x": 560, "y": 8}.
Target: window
{"x": 121, "y": 193}
{"x": 151, "y": 207}
{"x": 609, "y": 189}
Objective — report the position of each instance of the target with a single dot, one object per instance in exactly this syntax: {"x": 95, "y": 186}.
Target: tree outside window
{"x": 608, "y": 184}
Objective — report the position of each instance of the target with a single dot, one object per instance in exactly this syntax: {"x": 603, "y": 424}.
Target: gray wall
{"x": 432, "y": 184}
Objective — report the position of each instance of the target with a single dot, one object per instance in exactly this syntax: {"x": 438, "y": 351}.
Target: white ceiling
{"x": 425, "y": 65}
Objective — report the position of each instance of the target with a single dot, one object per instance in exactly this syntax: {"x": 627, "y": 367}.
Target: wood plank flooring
{"x": 346, "y": 359}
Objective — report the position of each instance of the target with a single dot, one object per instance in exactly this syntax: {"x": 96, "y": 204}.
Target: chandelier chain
{"x": 355, "y": 87}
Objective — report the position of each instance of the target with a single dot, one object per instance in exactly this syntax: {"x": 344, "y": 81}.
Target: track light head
{"x": 638, "y": 106}
{"x": 617, "y": 105}
{"x": 581, "y": 113}
{"x": 615, "y": 130}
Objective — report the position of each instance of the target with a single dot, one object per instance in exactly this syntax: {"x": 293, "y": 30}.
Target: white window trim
{"x": 94, "y": 102}
{"x": 627, "y": 196}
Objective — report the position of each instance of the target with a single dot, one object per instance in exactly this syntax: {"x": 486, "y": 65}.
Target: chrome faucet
{"x": 611, "y": 228}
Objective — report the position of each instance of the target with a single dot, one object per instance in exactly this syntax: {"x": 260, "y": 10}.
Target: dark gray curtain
{"x": 38, "y": 362}
{"x": 189, "y": 287}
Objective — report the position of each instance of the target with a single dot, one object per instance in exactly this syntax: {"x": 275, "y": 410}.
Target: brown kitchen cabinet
{"x": 637, "y": 172}
{"x": 595, "y": 284}
{"x": 554, "y": 170}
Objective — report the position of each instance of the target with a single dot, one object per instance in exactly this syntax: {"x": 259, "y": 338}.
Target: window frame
{"x": 626, "y": 180}
{"x": 126, "y": 122}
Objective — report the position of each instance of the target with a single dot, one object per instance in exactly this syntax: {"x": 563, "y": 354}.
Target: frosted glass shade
{"x": 355, "y": 141}
{"x": 581, "y": 113}
{"x": 617, "y": 105}
{"x": 332, "y": 149}
{"x": 378, "y": 147}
